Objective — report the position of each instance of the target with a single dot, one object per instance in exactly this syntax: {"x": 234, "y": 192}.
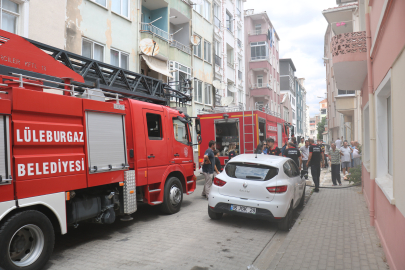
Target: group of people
{"x": 306, "y": 154}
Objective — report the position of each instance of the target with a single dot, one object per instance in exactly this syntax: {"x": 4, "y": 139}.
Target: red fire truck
{"x": 71, "y": 153}
{"x": 243, "y": 130}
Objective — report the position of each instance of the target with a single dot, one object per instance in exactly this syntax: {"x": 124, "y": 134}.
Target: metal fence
{"x": 180, "y": 46}
{"x": 146, "y": 27}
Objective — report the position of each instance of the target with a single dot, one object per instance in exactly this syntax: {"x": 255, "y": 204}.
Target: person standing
{"x": 265, "y": 148}
{"x": 284, "y": 147}
{"x": 356, "y": 157}
{"x": 293, "y": 153}
{"x": 304, "y": 153}
{"x": 334, "y": 156}
{"x": 346, "y": 151}
{"x": 301, "y": 144}
{"x": 273, "y": 150}
{"x": 351, "y": 154}
{"x": 208, "y": 168}
{"x": 314, "y": 158}
{"x": 232, "y": 151}
{"x": 338, "y": 144}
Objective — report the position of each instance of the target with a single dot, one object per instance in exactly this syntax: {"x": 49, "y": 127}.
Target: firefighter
{"x": 273, "y": 150}
{"x": 314, "y": 160}
{"x": 208, "y": 168}
{"x": 293, "y": 153}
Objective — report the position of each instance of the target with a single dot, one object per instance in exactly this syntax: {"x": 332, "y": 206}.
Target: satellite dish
{"x": 195, "y": 40}
{"x": 226, "y": 101}
{"x": 232, "y": 89}
{"x": 219, "y": 85}
{"x": 196, "y": 2}
{"x": 149, "y": 47}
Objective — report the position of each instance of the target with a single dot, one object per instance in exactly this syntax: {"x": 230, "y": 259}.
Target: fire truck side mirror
{"x": 199, "y": 139}
{"x": 198, "y": 127}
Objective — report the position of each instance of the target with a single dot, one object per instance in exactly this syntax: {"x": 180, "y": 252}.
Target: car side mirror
{"x": 198, "y": 126}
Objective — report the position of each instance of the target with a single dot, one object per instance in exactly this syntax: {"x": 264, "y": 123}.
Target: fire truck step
{"x": 248, "y": 133}
{"x": 157, "y": 202}
{"x": 154, "y": 190}
{"x": 189, "y": 182}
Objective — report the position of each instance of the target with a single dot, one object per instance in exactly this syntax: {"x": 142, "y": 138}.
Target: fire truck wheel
{"x": 26, "y": 241}
{"x": 173, "y": 196}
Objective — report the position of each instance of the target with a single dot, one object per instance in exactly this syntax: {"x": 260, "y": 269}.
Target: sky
{"x": 301, "y": 28}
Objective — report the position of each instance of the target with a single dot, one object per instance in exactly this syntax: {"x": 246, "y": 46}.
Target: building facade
{"x": 343, "y": 104}
{"x": 287, "y": 86}
{"x": 229, "y": 52}
{"x": 300, "y": 106}
{"x": 372, "y": 65}
{"x": 262, "y": 62}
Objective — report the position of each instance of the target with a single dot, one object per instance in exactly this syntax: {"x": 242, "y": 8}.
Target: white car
{"x": 258, "y": 186}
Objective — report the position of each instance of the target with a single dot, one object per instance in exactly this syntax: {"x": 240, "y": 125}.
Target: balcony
{"x": 155, "y": 31}
{"x": 180, "y": 46}
{"x": 346, "y": 104}
{"x": 230, "y": 73}
{"x": 349, "y": 55}
{"x": 257, "y": 58}
{"x": 218, "y": 60}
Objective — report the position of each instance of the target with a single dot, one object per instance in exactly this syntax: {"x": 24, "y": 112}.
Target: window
{"x": 180, "y": 131}
{"x": 240, "y": 96}
{"x": 287, "y": 168}
{"x": 119, "y": 59}
{"x": 389, "y": 136}
{"x": 154, "y": 126}
{"x": 230, "y": 94}
{"x": 323, "y": 111}
{"x": 197, "y": 50}
{"x": 229, "y": 21}
{"x": 346, "y": 92}
{"x": 217, "y": 15}
{"x": 293, "y": 114}
{"x": 217, "y": 52}
{"x": 254, "y": 172}
{"x": 120, "y": 7}
{"x": 366, "y": 134}
{"x": 208, "y": 94}
{"x": 260, "y": 81}
{"x": 92, "y": 50}
{"x": 207, "y": 10}
{"x": 181, "y": 74}
{"x": 9, "y": 16}
{"x": 101, "y": 2}
{"x": 198, "y": 91}
{"x": 207, "y": 51}
{"x": 198, "y": 8}
{"x": 258, "y": 50}
{"x": 258, "y": 29}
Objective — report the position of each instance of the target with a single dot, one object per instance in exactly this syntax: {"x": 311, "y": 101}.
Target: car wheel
{"x": 173, "y": 196}
{"x": 302, "y": 198}
{"x": 214, "y": 215}
{"x": 26, "y": 241}
{"x": 285, "y": 223}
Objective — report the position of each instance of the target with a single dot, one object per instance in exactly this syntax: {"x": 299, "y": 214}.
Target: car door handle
{"x": 176, "y": 155}
{"x": 151, "y": 156}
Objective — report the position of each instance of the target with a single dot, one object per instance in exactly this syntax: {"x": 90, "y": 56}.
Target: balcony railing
{"x": 257, "y": 32}
{"x": 239, "y": 75}
{"x": 218, "y": 60}
{"x": 239, "y": 43}
{"x": 217, "y": 22}
{"x": 255, "y": 58}
{"x": 146, "y": 27}
{"x": 266, "y": 109}
{"x": 230, "y": 63}
{"x": 346, "y": 43}
{"x": 258, "y": 85}
{"x": 180, "y": 46}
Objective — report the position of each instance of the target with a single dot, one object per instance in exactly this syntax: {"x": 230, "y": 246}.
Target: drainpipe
{"x": 371, "y": 117}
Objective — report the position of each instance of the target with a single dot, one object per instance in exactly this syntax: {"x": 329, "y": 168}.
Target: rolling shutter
{"x": 106, "y": 142}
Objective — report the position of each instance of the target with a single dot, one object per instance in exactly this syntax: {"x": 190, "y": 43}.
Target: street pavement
{"x": 332, "y": 232}
{"x": 186, "y": 240}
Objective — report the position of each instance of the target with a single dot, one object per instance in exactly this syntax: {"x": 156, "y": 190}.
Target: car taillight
{"x": 277, "y": 189}
{"x": 219, "y": 182}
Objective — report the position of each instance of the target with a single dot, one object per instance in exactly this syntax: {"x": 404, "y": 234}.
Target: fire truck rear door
{"x": 157, "y": 144}
{"x": 6, "y": 185}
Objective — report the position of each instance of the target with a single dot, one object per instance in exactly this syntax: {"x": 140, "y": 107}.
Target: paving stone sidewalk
{"x": 332, "y": 232}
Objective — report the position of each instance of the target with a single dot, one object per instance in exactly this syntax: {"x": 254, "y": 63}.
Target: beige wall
{"x": 47, "y": 22}
{"x": 398, "y": 111}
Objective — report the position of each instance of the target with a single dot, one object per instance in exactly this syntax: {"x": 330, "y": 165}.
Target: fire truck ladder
{"x": 245, "y": 143}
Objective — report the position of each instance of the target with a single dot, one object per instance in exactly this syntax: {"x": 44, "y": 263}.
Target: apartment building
{"x": 287, "y": 86}
{"x": 262, "y": 62}
{"x": 367, "y": 61}
{"x": 300, "y": 106}
{"x": 229, "y": 51}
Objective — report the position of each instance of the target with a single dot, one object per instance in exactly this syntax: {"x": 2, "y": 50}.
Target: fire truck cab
{"x": 71, "y": 155}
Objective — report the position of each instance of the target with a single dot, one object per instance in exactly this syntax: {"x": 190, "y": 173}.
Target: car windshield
{"x": 250, "y": 171}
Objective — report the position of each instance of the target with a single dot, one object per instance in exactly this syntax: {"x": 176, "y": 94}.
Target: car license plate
{"x": 243, "y": 209}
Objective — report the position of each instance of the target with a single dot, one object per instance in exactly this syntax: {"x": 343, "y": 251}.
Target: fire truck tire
{"x": 173, "y": 196}
{"x": 26, "y": 241}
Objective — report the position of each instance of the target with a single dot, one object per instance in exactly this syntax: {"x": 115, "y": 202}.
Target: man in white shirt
{"x": 346, "y": 159}
{"x": 338, "y": 143}
{"x": 304, "y": 153}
